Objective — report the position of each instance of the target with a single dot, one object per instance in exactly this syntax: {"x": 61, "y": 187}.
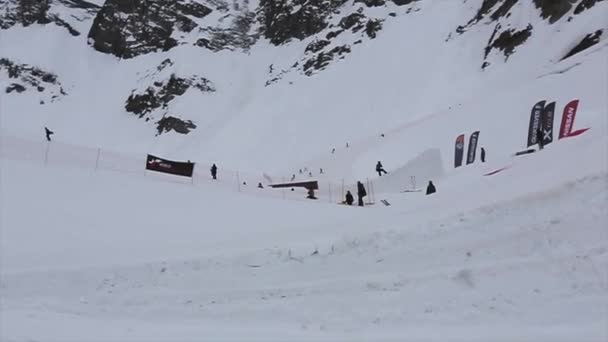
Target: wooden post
{"x": 238, "y": 181}
{"x": 283, "y": 189}
{"x": 46, "y": 154}
{"x": 369, "y": 190}
{"x": 373, "y": 198}
{"x": 97, "y": 159}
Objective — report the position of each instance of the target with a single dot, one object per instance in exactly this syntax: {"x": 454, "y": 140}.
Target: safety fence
{"x": 60, "y": 154}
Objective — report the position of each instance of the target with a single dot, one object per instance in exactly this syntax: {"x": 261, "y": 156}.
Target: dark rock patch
{"x": 372, "y": 3}
{"x": 333, "y": 34}
{"x": 29, "y": 12}
{"x": 322, "y": 60}
{"x": 27, "y": 76}
{"x": 15, "y": 87}
{"x": 485, "y": 9}
{"x": 554, "y": 10}
{"x": 317, "y": 46}
{"x": 171, "y": 123}
{"x": 129, "y": 28}
{"x": 237, "y": 36}
{"x": 588, "y": 41}
{"x": 507, "y": 41}
{"x": 282, "y": 21}
{"x": 159, "y": 94}
{"x": 403, "y": 2}
{"x": 372, "y": 27}
{"x": 585, "y": 5}
{"x": 354, "y": 21}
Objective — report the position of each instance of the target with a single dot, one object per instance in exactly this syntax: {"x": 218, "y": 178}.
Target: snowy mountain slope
{"x": 92, "y": 248}
{"x": 389, "y": 80}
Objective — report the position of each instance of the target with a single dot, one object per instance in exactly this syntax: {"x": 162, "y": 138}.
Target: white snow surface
{"x": 92, "y": 248}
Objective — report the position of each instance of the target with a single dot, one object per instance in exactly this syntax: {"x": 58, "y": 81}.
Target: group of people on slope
{"x": 360, "y": 194}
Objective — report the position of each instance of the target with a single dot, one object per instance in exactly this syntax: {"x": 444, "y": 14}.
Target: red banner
{"x": 568, "y": 119}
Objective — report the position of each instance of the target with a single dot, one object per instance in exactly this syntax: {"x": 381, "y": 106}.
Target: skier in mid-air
{"x": 380, "y": 169}
{"x": 48, "y": 133}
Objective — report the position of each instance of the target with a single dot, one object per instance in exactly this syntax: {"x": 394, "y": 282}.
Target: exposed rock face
{"x": 590, "y": 40}
{"x": 283, "y": 20}
{"x": 585, "y": 5}
{"x": 238, "y": 35}
{"x": 321, "y": 60}
{"x": 29, "y": 12}
{"x": 24, "y": 77}
{"x": 499, "y": 12}
{"x": 129, "y": 28}
{"x": 153, "y": 102}
{"x": 170, "y": 123}
{"x": 507, "y": 41}
{"x": 554, "y": 10}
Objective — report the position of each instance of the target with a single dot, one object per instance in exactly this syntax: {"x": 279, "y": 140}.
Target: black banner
{"x": 472, "y": 147}
{"x": 535, "y": 123}
{"x": 547, "y": 123}
{"x": 168, "y": 166}
{"x": 459, "y": 151}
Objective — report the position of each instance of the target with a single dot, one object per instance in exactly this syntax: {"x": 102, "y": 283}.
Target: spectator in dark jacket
{"x": 349, "y": 198}
{"x": 214, "y": 171}
{"x": 361, "y": 193}
{"x": 483, "y": 155}
{"x": 430, "y": 189}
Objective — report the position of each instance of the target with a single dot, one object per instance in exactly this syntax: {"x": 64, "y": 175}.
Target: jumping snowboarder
{"x": 214, "y": 171}
{"x": 380, "y": 169}
{"x": 361, "y": 193}
{"x": 430, "y": 189}
{"x": 349, "y": 198}
{"x": 48, "y": 133}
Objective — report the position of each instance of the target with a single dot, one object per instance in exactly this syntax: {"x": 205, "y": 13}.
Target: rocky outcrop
{"x": 58, "y": 12}
{"x": 284, "y": 20}
{"x": 129, "y": 28}
{"x": 585, "y": 5}
{"x": 161, "y": 87}
{"x": 554, "y": 10}
{"x": 238, "y": 35}
{"x": 321, "y": 60}
{"x": 23, "y": 77}
{"x": 588, "y": 41}
{"x": 507, "y": 41}
{"x": 170, "y": 123}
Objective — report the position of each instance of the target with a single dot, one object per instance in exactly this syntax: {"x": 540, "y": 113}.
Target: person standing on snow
{"x": 380, "y": 169}
{"x": 361, "y": 193}
{"x": 214, "y": 171}
{"x": 483, "y": 155}
{"x": 48, "y": 133}
{"x": 539, "y": 136}
{"x": 430, "y": 189}
{"x": 349, "y": 198}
